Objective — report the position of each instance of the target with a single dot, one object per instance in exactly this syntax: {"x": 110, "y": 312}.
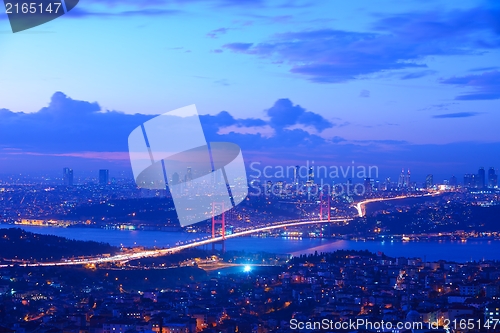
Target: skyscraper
{"x": 368, "y": 185}
{"x": 68, "y": 177}
{"x": 429, "y": 181}
{"x": 296, "y": 175}
{"x": 388, "y": 184}
{"x": 492, "y": 178}
{"x": 103, "y": 177}
{"x": 408, "y": 180}
{"x": 468, "y": 180}
{"x": 481, "y": 177}
{"x": 311, "y": 175}
{"x": 401, "y": 180}
{"x": 453, "y": 181}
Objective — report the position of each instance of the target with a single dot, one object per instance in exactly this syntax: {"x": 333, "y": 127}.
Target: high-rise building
{"x": 453, "y": 181}
{"x": 176, "y": 179}
{"x": 189, "y": 174}
{"x": 401, "y": 180}
{"x": 296, "y": 175}
{"x": 368, "y": 186}
{"x": 469, "y": 180}
{"x": 492, "y": 178}
{"x": 311, "y": 175}
{"x": 269, "y": 187}
{"x": 429, "y": 181}
{"x": 68, "y": 177}
{"x": 388, "y": 184}
{"x": 103, "y": 177}
{"x": 407, "y": 179}
{"x": 481, "y": 177}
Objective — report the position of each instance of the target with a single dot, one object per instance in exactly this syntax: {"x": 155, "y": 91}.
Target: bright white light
{"x": 247, "y": 268}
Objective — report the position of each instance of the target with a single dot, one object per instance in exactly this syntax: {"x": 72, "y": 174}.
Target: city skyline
{"x": 404, "y": 180}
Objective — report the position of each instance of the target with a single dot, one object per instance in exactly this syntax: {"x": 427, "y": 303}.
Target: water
{"x": 429, "y": 250}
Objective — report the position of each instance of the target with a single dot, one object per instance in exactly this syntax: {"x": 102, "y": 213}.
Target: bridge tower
{"x": 222, "y": 221}
{"x": 327, "y": 203}
{"x": 321, "y": 203}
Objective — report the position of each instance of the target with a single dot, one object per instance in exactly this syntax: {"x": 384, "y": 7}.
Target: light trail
{"x": 161, "y": 252}
{"x": 360, "y": 207}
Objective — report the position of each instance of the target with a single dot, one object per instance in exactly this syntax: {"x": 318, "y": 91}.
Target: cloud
{"x": 238, "y": 47}
{"x": 400, "y": 42}
{"x": 487, "y": 85}
{"x": 222, "y": 82}
{"x": 417, "y": 75}
{"x": 283, "y": 113}
{"x": 440, "y": 106}
{"x": 483, "y": 69}
{"x": 456, "y": 115}
{"x": 473, "y": 27}
{"x": 215, "y": 33}
{"x": 364, "y": 93}
{"x": 79, "y": 134}
{"x": 67, "y": 125}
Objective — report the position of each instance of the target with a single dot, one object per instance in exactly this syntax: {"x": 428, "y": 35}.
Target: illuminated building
{"x": 401, "y": 180}
{"x": 492, "y": 313}
{"x": 175, "y": 178}
{"x": 429, "y": 181}
{"x": 469, "y": 180}
{"x": 492, "y": 178}
{"x": 453, "y": 181}
{"x": 103, "y": 177}
{"x": 481, "y": 177}
{"x": 311, "y": 175}
{"x": 296, "y": 175}
{"x": 404, "y": 179}
{"x": 368, "y": 185}
{"x": 68, "y": 177}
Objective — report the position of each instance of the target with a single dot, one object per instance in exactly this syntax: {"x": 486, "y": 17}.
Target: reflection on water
{"x": 427, "y": 250}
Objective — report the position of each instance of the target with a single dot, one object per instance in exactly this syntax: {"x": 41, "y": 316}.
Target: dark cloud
{"x": 417, "y": 75}
{"x": 474, "y": 27}
{"x": 215, "y": 33}
{"x": 238, "y": 47}
{"x": 486, "y": 85}
{"x": 457, "y": 115}
{"x": 401, "y": 42}
{"x": 68, "y": 125}
{"x": 81, "y": 135}
{"x": 283, "y": 113}
{"x": 440, "y": 107}
{"x": 364, "y": 93}
{"x": 223, "y": 119}
{"x": 483, "y": 69}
